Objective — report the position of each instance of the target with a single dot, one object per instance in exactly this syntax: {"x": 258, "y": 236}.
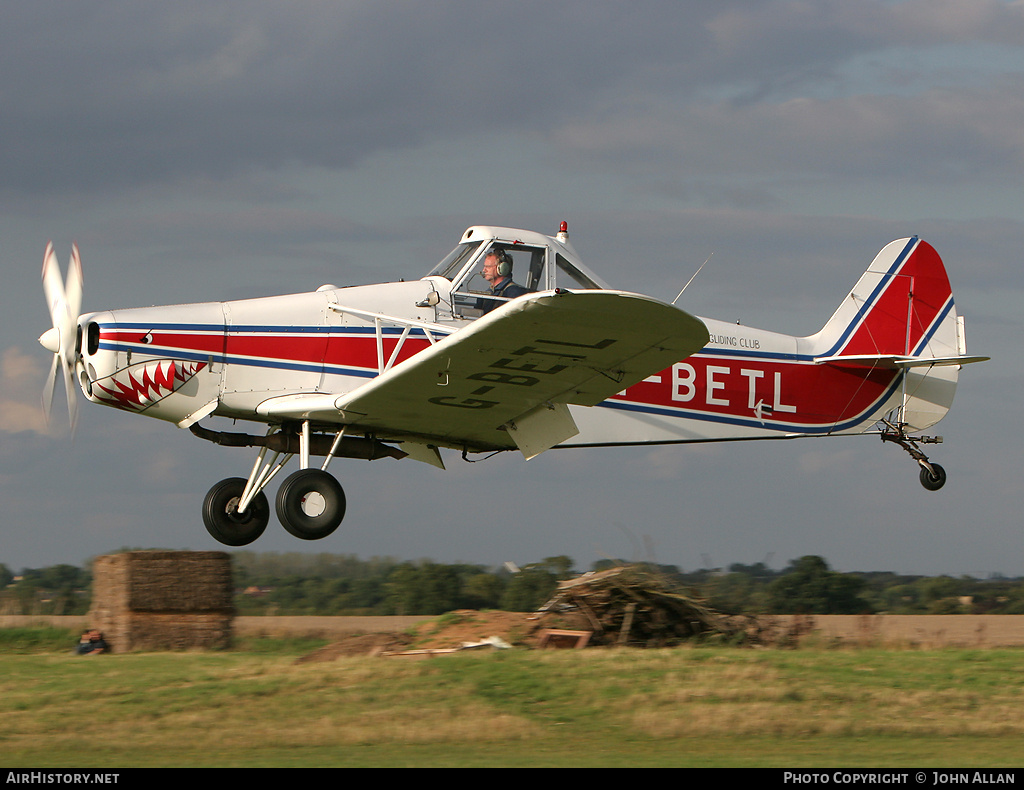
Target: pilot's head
{"x": 497, "y": 265}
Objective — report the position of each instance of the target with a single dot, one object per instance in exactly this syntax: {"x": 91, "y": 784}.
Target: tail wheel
{"x": 310, "y": 504}
{"x": 935, "y": 479}
{"x": 225, "y": 523}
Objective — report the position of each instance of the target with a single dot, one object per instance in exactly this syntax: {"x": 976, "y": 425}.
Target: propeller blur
{"x": 62, "y": 339}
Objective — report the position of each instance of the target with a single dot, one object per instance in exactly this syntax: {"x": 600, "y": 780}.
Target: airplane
{"x": 408, "y": 369}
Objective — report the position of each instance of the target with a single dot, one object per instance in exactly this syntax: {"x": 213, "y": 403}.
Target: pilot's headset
{"x": 504, "y": 261}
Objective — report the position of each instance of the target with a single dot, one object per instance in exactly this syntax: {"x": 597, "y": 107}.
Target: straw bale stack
{"x": 163, "y": 600}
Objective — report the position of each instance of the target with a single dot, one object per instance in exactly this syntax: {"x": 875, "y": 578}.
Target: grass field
{"x": 255, "y": 706}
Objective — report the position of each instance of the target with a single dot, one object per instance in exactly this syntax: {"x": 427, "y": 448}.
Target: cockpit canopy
{"x": 538, "y": 263}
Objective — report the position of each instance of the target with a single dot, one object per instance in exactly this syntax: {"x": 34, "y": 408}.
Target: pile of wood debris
{"x": 631, "y": 605}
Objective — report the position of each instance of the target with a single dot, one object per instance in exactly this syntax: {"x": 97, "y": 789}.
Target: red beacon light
{"x": 563, "y": 231}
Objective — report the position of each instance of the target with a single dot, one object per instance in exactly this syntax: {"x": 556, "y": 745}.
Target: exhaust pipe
{"x": 319, "y": 443}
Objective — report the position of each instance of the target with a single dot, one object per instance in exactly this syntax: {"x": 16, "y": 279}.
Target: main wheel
{"x": 310, "y": 504}
{"x": 935, "y": 480}
{"x": 225, "y": 523}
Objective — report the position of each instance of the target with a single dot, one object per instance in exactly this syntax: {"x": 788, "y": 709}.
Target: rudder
{"x": 900, "y": 306}
{"x": 901, "y": 314}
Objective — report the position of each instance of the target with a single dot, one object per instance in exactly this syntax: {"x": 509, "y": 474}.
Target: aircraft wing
{"x": 506, "y": 380}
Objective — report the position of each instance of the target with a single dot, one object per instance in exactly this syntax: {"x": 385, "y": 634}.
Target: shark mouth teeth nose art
{"x": 139, "y": 386}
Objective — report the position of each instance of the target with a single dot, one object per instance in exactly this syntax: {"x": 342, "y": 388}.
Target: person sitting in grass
{"x": 91, "y": 643}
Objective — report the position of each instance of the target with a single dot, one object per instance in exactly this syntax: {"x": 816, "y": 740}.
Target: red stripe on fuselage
{"x": 794, "y": 394}
{"x": 358, "y": 351}
{"x": 206, "y": 343}
{"x": 288, "y": 348}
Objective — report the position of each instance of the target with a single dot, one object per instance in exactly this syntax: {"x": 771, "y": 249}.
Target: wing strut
{"x": 380, "y": 319}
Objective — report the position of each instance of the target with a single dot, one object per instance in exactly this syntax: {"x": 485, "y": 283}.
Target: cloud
{"x": 21, "y": 382}
{"x": 109, "y": 95}
{"x": 937, "y": 135}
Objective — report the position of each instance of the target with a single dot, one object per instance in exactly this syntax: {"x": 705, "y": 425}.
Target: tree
{"x": 560, "y": 566}
{"x": 423, "y": 589}
{"x": 482, "y": 591}
{"x": 529, "y": 589}
{"x": 733, "y": 593}
{"x": 809, "y": 587}
{"x": 57, "y": 589}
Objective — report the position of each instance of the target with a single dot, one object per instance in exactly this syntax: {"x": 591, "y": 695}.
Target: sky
{"x": 205, "y": 151}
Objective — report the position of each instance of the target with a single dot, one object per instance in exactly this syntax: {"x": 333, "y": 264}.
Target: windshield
{"x": 449, "y": 268}
{"x": 574, "y": 274}
{"x": 504, "y": 271}
{"x": 488, "y": 271}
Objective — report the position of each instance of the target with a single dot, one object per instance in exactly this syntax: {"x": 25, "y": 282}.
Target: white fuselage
{"x": 183, "y": 363}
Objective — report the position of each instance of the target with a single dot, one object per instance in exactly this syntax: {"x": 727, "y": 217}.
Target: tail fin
{"x": 901, "y": 315}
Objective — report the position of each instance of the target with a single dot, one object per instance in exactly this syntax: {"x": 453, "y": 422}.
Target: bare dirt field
{"x": 921, "y": 630}
{"x": 449, "y": 632}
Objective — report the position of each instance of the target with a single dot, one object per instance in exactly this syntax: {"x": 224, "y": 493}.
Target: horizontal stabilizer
{"x": 893, "y": 361}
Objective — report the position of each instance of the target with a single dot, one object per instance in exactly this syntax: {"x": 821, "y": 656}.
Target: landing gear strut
{"x": 310, "y": 503}
{"x": 933, "y": 476}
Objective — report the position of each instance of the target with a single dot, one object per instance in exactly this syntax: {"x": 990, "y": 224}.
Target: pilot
{"x": 497, "y": 271}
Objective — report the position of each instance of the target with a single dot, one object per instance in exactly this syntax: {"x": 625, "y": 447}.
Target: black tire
{"x": 934, "y": 480}
{"x": 310, "y": 504}
{"x": 224, "y": 523}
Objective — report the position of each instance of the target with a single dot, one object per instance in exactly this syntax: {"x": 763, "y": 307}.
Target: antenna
{"x": 691, "y": 279}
